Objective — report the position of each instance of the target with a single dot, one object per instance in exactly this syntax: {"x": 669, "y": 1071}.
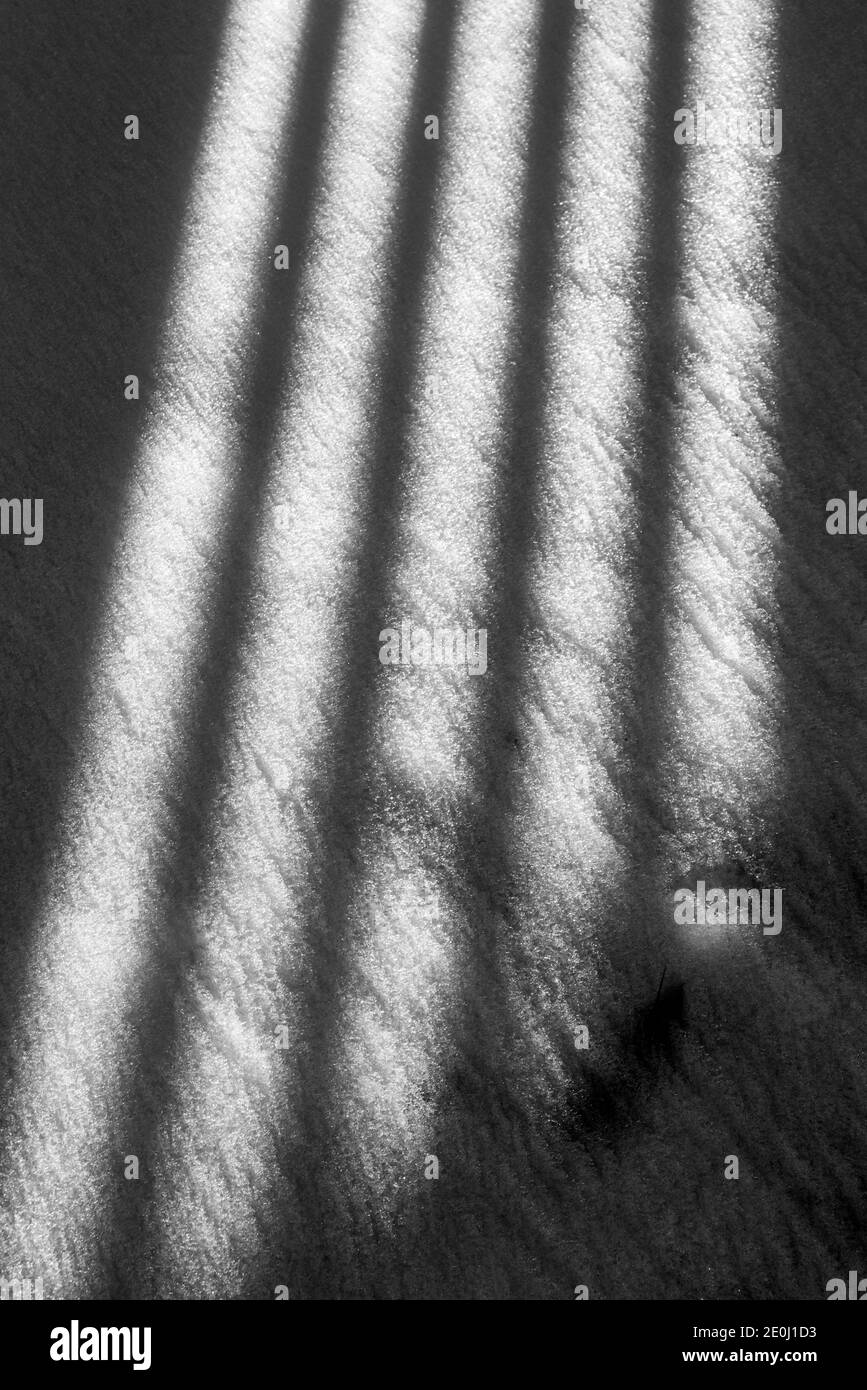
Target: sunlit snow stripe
{"x": 234, "y": 1093}
{"x": 88, "y": 947}
{"x": 724, "y": 559}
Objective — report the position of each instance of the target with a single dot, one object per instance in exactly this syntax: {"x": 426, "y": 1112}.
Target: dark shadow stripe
{"x": 821, "y": 593}
{"x": 89, "y": 240}
{"x": 815, "y": 850}
{"x": 646, "y": 701}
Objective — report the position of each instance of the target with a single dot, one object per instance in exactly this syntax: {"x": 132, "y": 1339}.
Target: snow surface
{"x": 553, "y": 376}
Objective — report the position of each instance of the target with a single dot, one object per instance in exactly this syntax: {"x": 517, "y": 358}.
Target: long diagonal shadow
{"x": 822, "y": 357}
{"x": 89, "y": 237}
{"x": 821, "y": 600}
{"x": 199, "y": 778}
{"x": 304, "y": 1247}
{"x": 646, "y": 695}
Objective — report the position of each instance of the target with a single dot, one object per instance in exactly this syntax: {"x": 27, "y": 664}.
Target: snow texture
{"x": 284, "y": 922}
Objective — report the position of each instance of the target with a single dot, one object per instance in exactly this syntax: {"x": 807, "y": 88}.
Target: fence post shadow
{"x": 90, "y": 231}
{"x": 816, "y": 849}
